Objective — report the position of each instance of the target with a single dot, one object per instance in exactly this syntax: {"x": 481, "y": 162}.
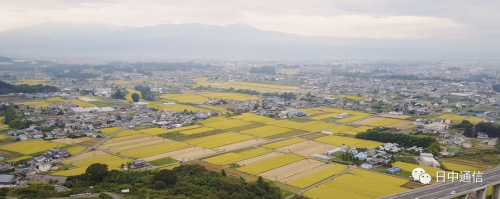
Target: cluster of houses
{"x": 370, "y": 157}
{"x": 136, "y": 165}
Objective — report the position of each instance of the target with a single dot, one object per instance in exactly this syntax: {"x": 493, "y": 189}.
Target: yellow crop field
{"x": 82, "y": 103}
{"x": 358, "y": 184}
{"x": 170, "y": 167}
{"x": 31, "y": 146}
{"x": 269, "y": 164}
{"x": 90, "y": 97}
{"x": 232, "y": 157}
{"x": 228, "y": 123}
{"x": 409, "y": 167}
{"x": 380, "y": 121}
{"x": 85, "y": 160}
{"x": 317, "y": 125}
{"x": 32, "y": 82}
{"x": 219, "y": 140}
{"x": 283, "y": 143}
{"x": 125, "y": 82}
{"x": 157, "y": 131}
{"x": 311, "y": 112}
{"x": 128, "y": 97}
{"x": 24, "y": 157}
{"x": 460, "y": 168}
{"x": 197, "y": 130}
{"x": 456, "y": 118}
{"x": 353, "y": 118}
{"x": 76, "y": 149}
{"x": 324, "y": 116}
{"x": 350, "y": 142}
{"x": 37, "y": 104}
{"x": 340, "y": 129}
{"x": 109, "y": 131}
{"x": 126, "y": 133}
{"x": 57, "y": 99}
{"x": 213, "y": 120}
{"x": 266, "y": 131}
{"x": 361, "y": 129}
{"x": 3, "y": 136}
{"x": 253, "y": 118}
{"x": 316, "y": 177}
{"x": 233, "y": 96}
{"x": 185, "y": 98}
{"x": 474, "y": 120}
{"x": 263, "y": 88}
{"x": 445, "y": 116}
{"x": 151, "y": 150}
{"x": 213, "y": 108}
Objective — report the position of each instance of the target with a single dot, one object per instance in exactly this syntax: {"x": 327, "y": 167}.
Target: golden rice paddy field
{"x": 266, "y": 131}
{"x": 70, "y": 141}
{"x": 233, "y": 96}
{"x": 409, "y": 167}
{"x": 3, "y": 136}
{"x": 228, "y": 124}
{"x": 378, "y": 121}
{"x": 340, "y": 129}
{"x": 31, "y": 146}
{"x": 460, "y": 167}
{"x": 317, "y": 176}
{"x": 240, "y": 145}
{"x": 306, "y": 126}
{"x": 350, "y": 142}
{"x": 219, "y": 140}
{"x": 284, "y": 143}
{"x": 75, "y": 149}
{"x": 324, "y": 116}
{"x": 451, "y": 117}
{"x": 90, "y": 97}
{"x": 142, "y": 145}
{"x": 32, "y": 82}
{"x": 213, "y": 108}
{"x": 281, "y": 173}
{"x": 85, "y": 160}
{"x": 253, "y": 118}
{"x": 158, "y": 131}
{"x": 405, "y": 124}
{"x": 82, "y": 103}
{"x": 232, "y": 157}
{"x": 183, "y": 154}
{"x": 358, "y": 184}
{"x": 402, "y": 117}
{"x": 40, "y": 104}
{"x": 197, "y": 130}
{"x": 109, "y": 131}
{"x": 24, "y": 157}
{"x": 212, "y": 120}
{"x": 361, "y": 129}
{"x": 269, "y": 164}
{"x": 474, "y": 120}
{"x": 307, "y": 148}
{"x": 2, "y": 125}
{"x": 128, "y": 97}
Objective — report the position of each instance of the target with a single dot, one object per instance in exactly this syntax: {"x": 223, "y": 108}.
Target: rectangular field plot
{"x": 353, "y": 118}
{"x": 185, "y": 98}
{"x": 350, "y": 142}
{"x": 85, "y": 160}
{"x": 474, "y": 120}
{"x": 251, "y": 117}
{"x": 269, "y": 164}
{"x": 258, "y": 158}
{"x": 286, "y": 171}
{"x": 340, "y": 129}
{"x": 266, "y": 131}
{"x": 307, "y": 148}
{"x": 197, "y": 130}
{"x": 109, "y": 131}
{"x": 358, "y": 184}
{"x": 460, "y": 168}
{"x": 283, "y": 143}
{"x": 158, "y": 131}
{"x": 239, "y": 145}
{"x": 409, "y": 167}
{"x": 228, "y": 124}
{"x": 31, "y": 146}
{"x": 378, "y": 121}
{"x": 183, "y": 154}
{"x": 219, "y": 140}
{"x": 324, "y": 116}
{"x": 233, "y": 96}
{"x": 127, "y": 132}
{"x": 232, "y": 157}
{"x": 317, "y": 176}
{"x": 142, "y": 145}
{"x": 151, "y": 150}
{"x": 361, "y": 129}
{"x": 405, "y": 124}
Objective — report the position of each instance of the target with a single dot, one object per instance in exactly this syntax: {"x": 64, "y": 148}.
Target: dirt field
{"x": 286, "y": 171}
{"x": 90, "y": 143}
{"x": 360, "y": 122}
{"x": 213, "y": 167}
{"x": 395, "y": 116}
{"x": 466, "y": 163}
{"x": 307, "y": 148}
{"x": 258, "y": 158}
{"x": 306, "y": 173}
{"x": 240, "y": 144}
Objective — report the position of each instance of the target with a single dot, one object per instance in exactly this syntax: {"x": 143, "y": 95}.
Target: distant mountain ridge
{"x": 231, "y": 41}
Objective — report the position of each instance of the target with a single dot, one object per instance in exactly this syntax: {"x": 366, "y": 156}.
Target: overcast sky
{"x": 335, "y": 18}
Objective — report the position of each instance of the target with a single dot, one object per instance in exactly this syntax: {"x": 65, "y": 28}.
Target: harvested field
{"x": 183, "y": 154}
{"x": 317, "y": 176}
{"x": 467, "y": 163}
{"x": 232, "y": 157}
{"x": 242, "y": 144}
{"x": 69, "y": 141}
{"x": 402, "y": 117}
{"x": 269, "y": 164}
{"x": 405, "y": 124}
{"x": 258, "y": 158}
{"x": 283, "y": 143}
{"x": 216, "y": 168}
{"x": 307, "y": 148}
{"x": 286, "y": 171}
{"x": 378, "y": 121}
{"x": 306, "y": 173}
{"x": 266, "y": 131}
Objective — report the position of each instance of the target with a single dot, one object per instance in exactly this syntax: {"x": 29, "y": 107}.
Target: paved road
{"x": 444, "y": 190}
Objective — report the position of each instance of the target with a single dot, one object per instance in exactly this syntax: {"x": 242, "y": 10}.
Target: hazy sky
{"x": 335, "y": 18}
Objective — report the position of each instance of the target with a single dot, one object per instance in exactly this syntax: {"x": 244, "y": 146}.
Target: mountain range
{"x": 192, "y": 41}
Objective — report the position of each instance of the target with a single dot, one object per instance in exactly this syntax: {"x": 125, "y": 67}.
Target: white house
{"x": 428, "y": 160}
{"x": 44, "y": 167}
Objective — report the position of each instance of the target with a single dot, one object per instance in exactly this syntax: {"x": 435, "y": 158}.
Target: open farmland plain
{"x": 350, "y": 142}
{"x": 83, "y": 161}
{"x": 31, "y": 146}
{"x": 269, "y": 164}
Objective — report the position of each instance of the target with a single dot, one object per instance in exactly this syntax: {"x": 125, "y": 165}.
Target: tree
{"x": 166, "y": 176}
{"x": 10, "y": 115}
{"x": 119, "y": 94}
{"x": 97, "y": 172}
{"x": 160, "y": 185}
{"x": 434, "y": 148}
{"x": 135, "y": 97}
{"x": 16, "y": 124}
{"x": 223, "y": 173}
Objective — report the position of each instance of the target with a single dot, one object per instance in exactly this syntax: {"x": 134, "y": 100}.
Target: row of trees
{"x": 189, "y": 181}
{"x": 24, "y": 88}
{"x": 146, "y": 93}
{"x": 471, "y": 130}
{"x": 404, "y": 140}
